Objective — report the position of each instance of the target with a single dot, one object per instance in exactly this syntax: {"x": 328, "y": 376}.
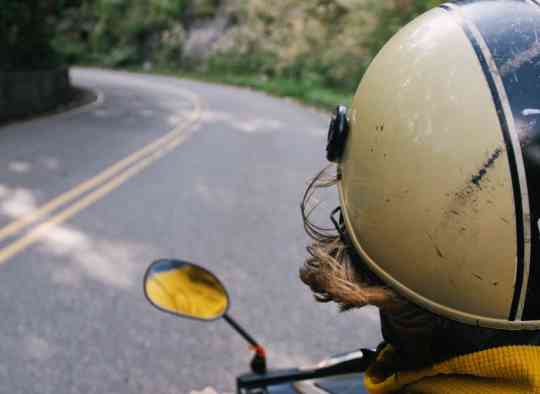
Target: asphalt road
{"x": 221, "y": 187}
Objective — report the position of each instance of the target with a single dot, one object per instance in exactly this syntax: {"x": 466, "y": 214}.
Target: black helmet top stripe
{"x": 507, "y": 44}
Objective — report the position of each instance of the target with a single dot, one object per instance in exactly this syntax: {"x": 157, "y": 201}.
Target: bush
{"x": 233, "y": 62}
{"x": 325, "y": 42}
{"x": 25, "y": 35}
{"x": 122, "y": 32}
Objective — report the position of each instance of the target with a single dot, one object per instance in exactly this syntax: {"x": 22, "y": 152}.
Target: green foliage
{"x": 122, "y": 32}
{"x": 391, "y": 19}
{"x": 170, "y": 8}
{"x": 235, "y": 63}
{"x": 203, "y": 8}
{"x": 326, "y": 42}
{"x": 25, "y": 35}
{"x": 313, "y": 46}
{"x": 316, "y": 45}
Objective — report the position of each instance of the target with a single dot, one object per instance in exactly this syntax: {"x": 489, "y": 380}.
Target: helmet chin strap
{"x": 339, "y": 224}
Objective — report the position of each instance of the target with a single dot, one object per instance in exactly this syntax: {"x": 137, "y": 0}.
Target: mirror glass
{"x": 185, "y": 289}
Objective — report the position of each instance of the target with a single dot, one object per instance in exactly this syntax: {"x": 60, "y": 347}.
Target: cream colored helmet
{"x": 439, "y": 163}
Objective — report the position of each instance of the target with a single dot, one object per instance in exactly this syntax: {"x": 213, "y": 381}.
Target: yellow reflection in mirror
{"x": 186, "y": 290}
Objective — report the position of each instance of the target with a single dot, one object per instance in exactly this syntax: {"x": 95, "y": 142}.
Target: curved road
{"x": 159, "y": 167}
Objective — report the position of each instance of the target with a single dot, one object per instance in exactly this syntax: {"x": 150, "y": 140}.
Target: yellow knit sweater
{"x": 510, "y": 369}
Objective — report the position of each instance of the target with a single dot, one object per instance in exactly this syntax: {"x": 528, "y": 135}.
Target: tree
{"x": 25, "y": 35}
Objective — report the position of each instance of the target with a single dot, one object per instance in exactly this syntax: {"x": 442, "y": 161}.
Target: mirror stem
{"x": 258, "y": 364}
{"x": 241, "y": 331}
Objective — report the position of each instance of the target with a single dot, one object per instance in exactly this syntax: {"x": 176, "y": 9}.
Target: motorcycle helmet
{"x": 439, "y": 163}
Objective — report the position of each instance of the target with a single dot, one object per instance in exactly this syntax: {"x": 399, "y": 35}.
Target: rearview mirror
{"x": 185, "y": 289}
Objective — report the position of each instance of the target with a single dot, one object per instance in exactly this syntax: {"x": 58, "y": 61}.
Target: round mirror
{"x": 185, "y": 289}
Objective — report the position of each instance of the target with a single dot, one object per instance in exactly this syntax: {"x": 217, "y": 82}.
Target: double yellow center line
{"x": 92, "y": 190}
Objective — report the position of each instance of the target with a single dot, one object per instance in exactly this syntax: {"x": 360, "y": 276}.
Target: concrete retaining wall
{"x": 25, "y": 93}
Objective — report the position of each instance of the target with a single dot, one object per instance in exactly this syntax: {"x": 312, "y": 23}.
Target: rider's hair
{"x": 333, "y": 270}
